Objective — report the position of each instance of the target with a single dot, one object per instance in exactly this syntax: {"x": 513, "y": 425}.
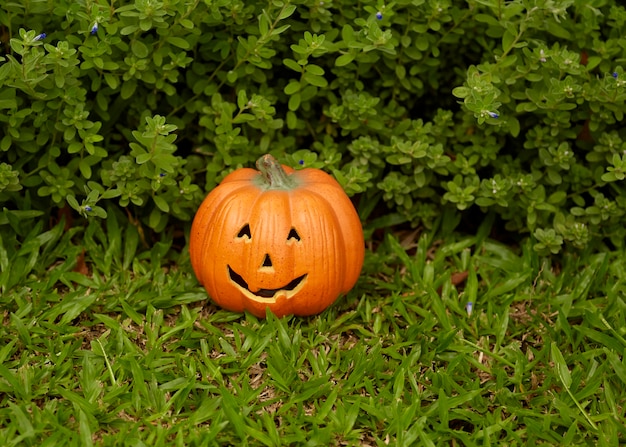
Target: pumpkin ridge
{"x": 332, "y": 204}
{"x": 331, "y": 234}
{"x": 199, "y": 237}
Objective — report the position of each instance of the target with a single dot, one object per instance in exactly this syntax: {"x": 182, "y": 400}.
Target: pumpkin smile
{"x": 288, "y": 290}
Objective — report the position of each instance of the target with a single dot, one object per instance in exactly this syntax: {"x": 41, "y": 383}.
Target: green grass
{"x": 133, "y": 354}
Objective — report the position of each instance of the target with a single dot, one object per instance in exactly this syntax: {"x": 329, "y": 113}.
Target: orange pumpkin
{"x": 278, "y": 239}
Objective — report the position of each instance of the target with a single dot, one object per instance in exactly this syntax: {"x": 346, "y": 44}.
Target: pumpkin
{"x": 279, "y": 239}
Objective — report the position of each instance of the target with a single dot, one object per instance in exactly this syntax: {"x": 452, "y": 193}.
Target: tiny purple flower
{"x": 469, "y": 307}
{"x": 94, "y": 28}
{"x": 493, "y": 114}
{"x": 88, "y": 208}
{"x": 301, "y": 162}
{"x": 162, "y": 174}
{"x": 40, "y": 36}
{"x": 615, "y": 74}
{"x": 379, "y": 15}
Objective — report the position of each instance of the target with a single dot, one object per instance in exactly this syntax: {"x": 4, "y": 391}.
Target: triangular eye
{"x": 245, "y": 232}
{"x": 293, "y": 234}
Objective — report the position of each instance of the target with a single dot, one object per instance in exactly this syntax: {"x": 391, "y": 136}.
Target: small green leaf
{"x": 139, "y": 49}
{"x": 128, "y": 88}
{"x": 292, "y": 120}
{"x": 232, "y": 76}
{"x": 264, "y": 23}
{"x": 179, "y": 42}
{"x": 292, "y": 87}
{"x": 317, "y": 81}
{"x": 507, "y": 40}
{"x": 287, "y": 12}
{"x": 293, "y": 65}
{"x": 294, "y": 102}
{"x": 112, "y": 80}
{"x": 186, "y": 23}
{"x": 461, "y": 92}
{"x": 560, "y": 365}
{"x": 161, "y": 203}
{"x": 143, "y": 158}
{"x": 5, "y": 143}
{"x": 344, "y": 59}
{"x": 314, "y": 70}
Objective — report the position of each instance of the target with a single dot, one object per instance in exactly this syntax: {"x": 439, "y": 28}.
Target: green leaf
{"x": 232, "y": 76}
{"x": 264, "y": 23}
{"x": 292, "y": 87}
{"x": 5, "y": 143}
{"x": 557, "y": 30}
{"x": 461, "y": 92}
{"x": 314, "y": 69}
{"x": 344, "y": 59}
{"x": 242, "y": 99}
{"x": 347, "y": 34}
{"x": 292, "y": 120}
{"x": 559, "y": 363}
{"x": 514, "y": 125}
{"x": 507, "y": 40}
{"x": 139, "y": 49}
{"x": 24, "y": 424}
{"x": 293, "y": 65}
{"x": 400, "y": 71}
{"x": 128, "y": 89}
{"x": 85, "y": 168}
{"x": 186, "y": 23}
{"x": 294, "y": 102}
{"x": 112, "y": 81}
{"x": 286, "y": 12}
{"x": 143, "y": 158}
{"x": 161, "y": 203}
{"x": 317, "y": 81}
{"x": 233, "y": 412}
{"x": 179, "y": 42}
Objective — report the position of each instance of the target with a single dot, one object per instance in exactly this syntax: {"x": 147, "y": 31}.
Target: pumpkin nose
{"x": 267, "y": 261}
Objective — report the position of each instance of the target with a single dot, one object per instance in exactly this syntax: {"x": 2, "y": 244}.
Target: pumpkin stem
{"x": 274, "y": 176}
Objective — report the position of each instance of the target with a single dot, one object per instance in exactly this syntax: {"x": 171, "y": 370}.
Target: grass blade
{"x": 566, "y": 378}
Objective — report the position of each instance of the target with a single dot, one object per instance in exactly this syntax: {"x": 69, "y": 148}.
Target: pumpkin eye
{"x": 293, "y": 234}
{"x": 245, "y": 232}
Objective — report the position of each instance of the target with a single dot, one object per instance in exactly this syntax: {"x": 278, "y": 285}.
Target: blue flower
{"x": 469, "y": 307}
{"x": 493, "y": 114}
{"x": 94, "y": 28}
{"x": 379, "y": 15}
{"x": 162, "y": 174}
{"x": 88, "y": 208}
{"x": 301, "y": 162}
{"x": 40, "y": 36}
{"x": 615, "y": 74}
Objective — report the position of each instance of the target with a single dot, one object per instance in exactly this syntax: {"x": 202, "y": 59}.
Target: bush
{"x": 512, "y": 108}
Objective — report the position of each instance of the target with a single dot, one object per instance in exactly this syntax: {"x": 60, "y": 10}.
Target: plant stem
{"x": 273, "y": 174}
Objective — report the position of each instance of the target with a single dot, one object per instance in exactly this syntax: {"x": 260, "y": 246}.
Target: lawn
{"x": 107, "y": 339}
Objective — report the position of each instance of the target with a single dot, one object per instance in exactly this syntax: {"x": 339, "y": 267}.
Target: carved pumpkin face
{"x": 281, "y": 239}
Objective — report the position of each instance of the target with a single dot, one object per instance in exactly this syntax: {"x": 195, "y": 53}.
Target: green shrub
{"x": 510, "y": 107}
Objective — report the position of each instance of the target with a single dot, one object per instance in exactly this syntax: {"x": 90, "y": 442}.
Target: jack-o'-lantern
{"x": 279, "y": 239}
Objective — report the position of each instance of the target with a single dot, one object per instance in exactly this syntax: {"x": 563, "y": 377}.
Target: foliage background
{"x": 512, "y": 108}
